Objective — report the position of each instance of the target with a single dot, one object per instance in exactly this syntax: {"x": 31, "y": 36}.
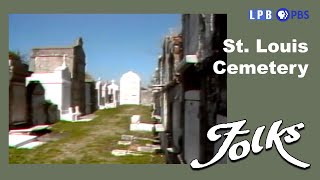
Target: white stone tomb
{"x": 130, "y": 87}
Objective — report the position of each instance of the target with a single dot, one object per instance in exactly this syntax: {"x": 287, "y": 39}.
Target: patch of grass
{"x": 90, "y": 142}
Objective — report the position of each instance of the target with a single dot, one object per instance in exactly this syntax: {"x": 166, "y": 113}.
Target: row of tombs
{"x": 37, "y": 99}
{"x": 53, "y": 87}
{"x": 189, "y": 97}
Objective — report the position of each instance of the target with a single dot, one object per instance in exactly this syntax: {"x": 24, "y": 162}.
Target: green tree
{"x": 16, "y": 55}
{"x": 88, "y": 77}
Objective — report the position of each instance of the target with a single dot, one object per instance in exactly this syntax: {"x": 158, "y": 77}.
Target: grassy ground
{"x": 89, "y": 142}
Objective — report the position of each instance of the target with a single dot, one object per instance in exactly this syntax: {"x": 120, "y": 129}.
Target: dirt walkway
{"x": 90, "y": 142}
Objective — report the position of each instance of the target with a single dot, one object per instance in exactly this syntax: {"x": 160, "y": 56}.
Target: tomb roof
{"x": 79, "y": 42}
{"x": 54, "y": 47}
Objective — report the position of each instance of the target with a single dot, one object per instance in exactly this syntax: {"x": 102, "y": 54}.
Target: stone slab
{"x": 16, "y": 140}
{"x": 127, "y": 137}
{"x": 31, "y": 145}
{"x": 142, "y": 127}
{"x": 147, "y": 149}
{"x": 135, "y": 119}
{"x": 153, "y": 146}
{"x": 119, "y": 152}
{"x": 125, "y": 143}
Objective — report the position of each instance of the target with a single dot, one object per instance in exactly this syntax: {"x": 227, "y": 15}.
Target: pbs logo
{"x": 284, "y": 14}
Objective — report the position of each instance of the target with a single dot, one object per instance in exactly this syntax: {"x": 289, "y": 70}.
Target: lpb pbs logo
{"x": 282, "y": 14}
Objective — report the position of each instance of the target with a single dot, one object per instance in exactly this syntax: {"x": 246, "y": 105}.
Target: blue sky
{"x": 113, "y": 43}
